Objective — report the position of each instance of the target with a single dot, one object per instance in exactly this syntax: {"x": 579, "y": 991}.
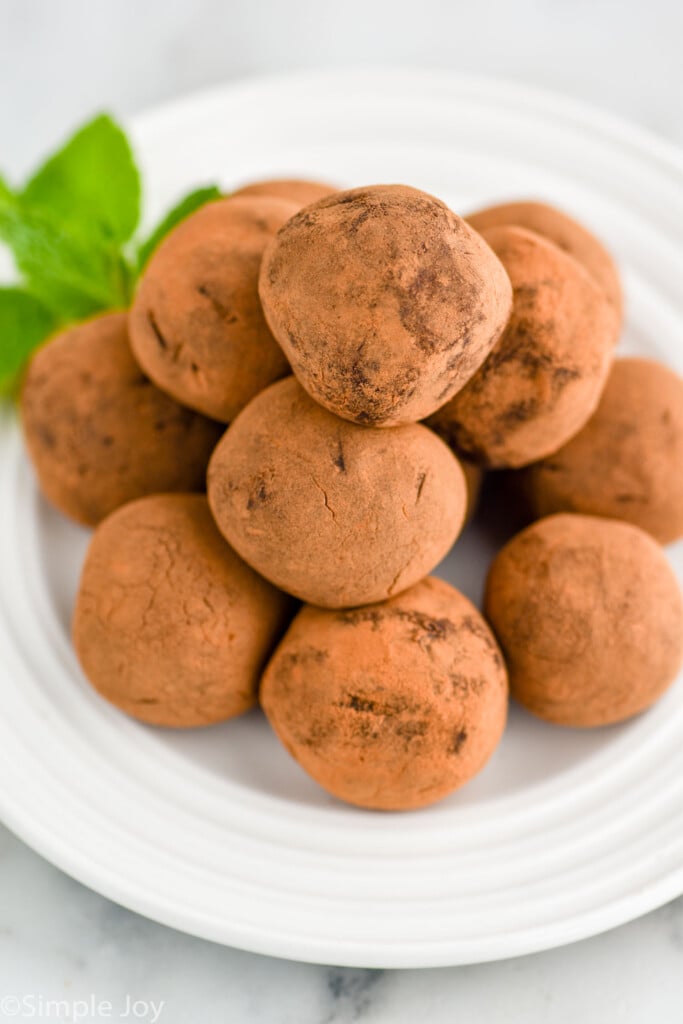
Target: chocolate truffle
{"x": 566, "y": 234}
{"x": 384, "y": 301}
{"x": 391, "y": 706}
{"x": 627, "y": 462}
{"x": 294, "y": 190}
{"x": 333, "y": 513}
{"x": 99, "y": 432}
{"x": 545, "y": 376}
{"x": 170, "y": 625}
{"x": 196, "y": 325}
{"x": 590, "y": 618}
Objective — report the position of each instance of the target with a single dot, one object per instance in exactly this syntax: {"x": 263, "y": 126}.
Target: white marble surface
{"x": 58, "y": 62}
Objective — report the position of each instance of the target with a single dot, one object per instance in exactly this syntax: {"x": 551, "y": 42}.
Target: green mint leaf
{"x": 6, "y": 194}
{"x": 180, "y": 211}
{"x": 92, "y": 181}
{"x": 24, "y": 323}
{"x": 62, "y": 265}
{"x": 67, "y": 303}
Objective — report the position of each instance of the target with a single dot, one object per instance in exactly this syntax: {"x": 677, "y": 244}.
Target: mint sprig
{"x": 72, "y": 232}
{"x": 24, "y": 322}
{"x": 92, "y": 181}
{"x": 60, "y": 264}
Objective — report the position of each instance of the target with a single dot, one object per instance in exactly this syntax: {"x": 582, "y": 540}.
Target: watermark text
{"x": 89, "y": 1008}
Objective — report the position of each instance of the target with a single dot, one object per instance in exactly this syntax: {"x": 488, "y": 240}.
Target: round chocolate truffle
{"x": 627, "y": 462}
{"x": 170, "y": 625}
{"x": 333, "y": 513}
{"x": 196, "y": 326}
{"x": 99, "y": 432}
{"x": 590, "y": 618}
{"x": 295, "y": 190}
{"x": 566, "y": 234}
{"x": 384, "y": 301}
{"x": 391, "y": 706}
{"x": 545, "y": 376}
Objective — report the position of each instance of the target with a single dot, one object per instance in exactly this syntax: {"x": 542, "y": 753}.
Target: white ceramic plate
{"x": 218, "y": 832}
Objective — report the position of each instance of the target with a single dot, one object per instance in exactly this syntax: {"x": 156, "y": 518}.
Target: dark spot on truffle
{"x": 625, "y": 499}
{"x": 425, "y": 628}
{"x": 357, "y": 615}
{"x": 358, "y": 221}
{"x": 304, "y": 219}
{"x": 433, "y": 629}
{"x": 365, "y": 705}
{"x": 460, "y": 683}
{"x": 319, "y": 731}
{"x": 224, "y": 311}
{"x": 46, "y": 435}
{"x": 350, "y": 198}
{"x": 564, "y": 374}
{"x": 302, "y": 656}
{"x": 412, "y": 729}
{"x": 477, "y": 628}
{"x": 459, "y": 738}
{"x": 518, "y": 412}
{"x": 258, "y": 496}
{"x": 339, "y": 457}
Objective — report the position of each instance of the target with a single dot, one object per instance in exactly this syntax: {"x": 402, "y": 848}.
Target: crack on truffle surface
{"x": 325, "y": 499}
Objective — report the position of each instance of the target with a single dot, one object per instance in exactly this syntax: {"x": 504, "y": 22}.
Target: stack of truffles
{"x": 372, "y": 354}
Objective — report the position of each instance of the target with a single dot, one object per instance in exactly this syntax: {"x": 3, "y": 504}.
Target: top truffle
{"x": 384, "y": 301}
